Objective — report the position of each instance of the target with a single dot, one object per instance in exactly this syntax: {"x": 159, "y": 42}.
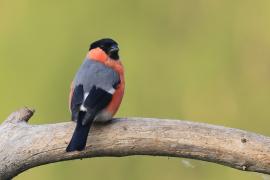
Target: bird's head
{"x": 109, "y": 46}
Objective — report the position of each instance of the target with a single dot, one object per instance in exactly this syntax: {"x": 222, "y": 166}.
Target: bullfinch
{"x": 96, "y": 91}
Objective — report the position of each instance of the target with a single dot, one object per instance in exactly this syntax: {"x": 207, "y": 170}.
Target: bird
{"x": 97, "y": 90}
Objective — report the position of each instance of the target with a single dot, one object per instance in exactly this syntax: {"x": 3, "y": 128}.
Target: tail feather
{"x": 79, "y": 138}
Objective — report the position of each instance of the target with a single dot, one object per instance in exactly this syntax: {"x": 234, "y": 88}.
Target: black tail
{"x": 79, "y": 138}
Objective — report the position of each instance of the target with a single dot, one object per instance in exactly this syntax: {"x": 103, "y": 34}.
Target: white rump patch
{"x": 82, "y": 108}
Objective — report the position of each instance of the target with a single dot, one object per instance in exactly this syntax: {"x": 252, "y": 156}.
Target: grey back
{"x": 93, "y": 73}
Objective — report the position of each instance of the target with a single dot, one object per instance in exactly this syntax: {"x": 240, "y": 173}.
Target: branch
{"x": 24, "y": 146}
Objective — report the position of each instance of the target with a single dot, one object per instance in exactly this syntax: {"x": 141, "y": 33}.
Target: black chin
{"x": 114, "y": 55}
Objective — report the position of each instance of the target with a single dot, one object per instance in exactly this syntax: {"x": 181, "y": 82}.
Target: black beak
{"x": 114, "y": 49}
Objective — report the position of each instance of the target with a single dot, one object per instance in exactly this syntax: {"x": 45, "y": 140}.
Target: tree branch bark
{"x": 23, "y": 146}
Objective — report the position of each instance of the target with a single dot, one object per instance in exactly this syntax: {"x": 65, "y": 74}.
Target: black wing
{"x": 96, "y": 100}
{"x": 76, "y": 101}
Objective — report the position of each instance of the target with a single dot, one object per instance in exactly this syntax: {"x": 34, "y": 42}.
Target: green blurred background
{"x": 200, "y": 60}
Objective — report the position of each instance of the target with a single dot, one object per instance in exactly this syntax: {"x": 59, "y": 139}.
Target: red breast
{"x": 99, "y": 55}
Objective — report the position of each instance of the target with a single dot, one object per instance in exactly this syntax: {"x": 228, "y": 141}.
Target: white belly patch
{"x": 103, "y": 116}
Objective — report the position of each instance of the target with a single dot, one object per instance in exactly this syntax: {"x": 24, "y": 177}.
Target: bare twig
{"x": 23, "y": 146}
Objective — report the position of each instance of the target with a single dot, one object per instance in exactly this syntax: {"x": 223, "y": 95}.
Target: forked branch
{"x": 23, "y": 146}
